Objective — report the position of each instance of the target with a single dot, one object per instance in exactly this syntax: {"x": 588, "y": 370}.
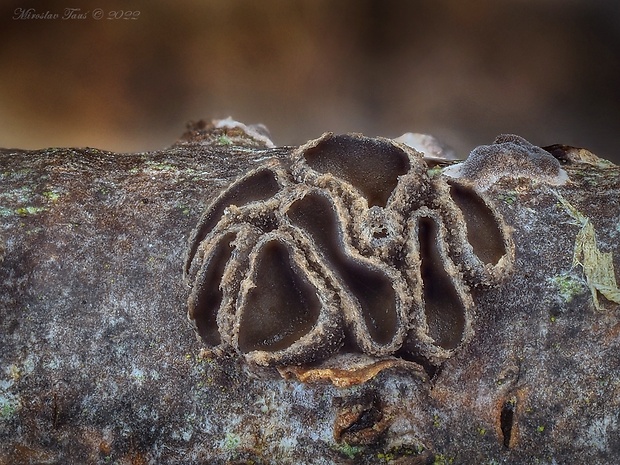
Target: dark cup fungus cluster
{"x": 347, "y": 246}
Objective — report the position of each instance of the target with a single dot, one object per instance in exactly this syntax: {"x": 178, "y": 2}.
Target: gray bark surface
{"x": 99, "y": 364}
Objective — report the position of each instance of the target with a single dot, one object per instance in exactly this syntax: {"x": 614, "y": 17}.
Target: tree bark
{"x": 99, "y": 364}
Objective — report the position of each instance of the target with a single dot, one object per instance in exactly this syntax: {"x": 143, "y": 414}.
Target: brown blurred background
{"x": 464, "y": 71}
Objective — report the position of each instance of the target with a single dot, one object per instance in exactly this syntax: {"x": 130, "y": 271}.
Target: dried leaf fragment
{"x": 598, "y": 267}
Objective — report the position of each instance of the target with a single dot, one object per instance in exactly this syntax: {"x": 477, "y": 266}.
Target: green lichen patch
{"x": 17, "y": 174}
{"x": 51, "y": 195}
{"x": 9, "y": 404}
{"x": 224, "y": 140}
{"x": 157, "y": 166}
{"x": 399, "y": 452}
{"x": 14, "y": 372}
{"x": 137, "y": 375}
{"x": 348, "y": 450}
{"x": 29, "y": 210}
{"x": 231, "y": 441}
{"x": 441, "y": 459}
{"x": 184, "y": 209}
{"x": 568, "y": 286}
{"x": 598, "y": 266}
{"x": 509, "y": 197}
{"x": 435, "y": 171}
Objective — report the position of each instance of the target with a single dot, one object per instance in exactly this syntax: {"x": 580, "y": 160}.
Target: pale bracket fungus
{"x": 346, "y": 246}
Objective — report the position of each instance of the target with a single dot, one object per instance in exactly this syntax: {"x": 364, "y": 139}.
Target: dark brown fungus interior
{"x": 444, "y": 310}
{"x": 372, "y": 289}
{"x": 260, "y": 185}
{"x": 372, "y": 166}
{"x": 282, "y": 307}
{"x": 483, "y": 232}
{"x": 209, "y": 296}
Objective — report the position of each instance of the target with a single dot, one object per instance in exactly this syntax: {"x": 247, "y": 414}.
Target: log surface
{"x": 98, "y": 363}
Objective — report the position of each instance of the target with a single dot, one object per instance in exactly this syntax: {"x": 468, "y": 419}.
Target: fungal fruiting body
{"x": 347, "y": 245}
{"x": 508, "y": 156}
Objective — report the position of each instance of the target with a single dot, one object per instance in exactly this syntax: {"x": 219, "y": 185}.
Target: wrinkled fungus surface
{"x": 346, "y": 246}
{"x": 508, "y": 156}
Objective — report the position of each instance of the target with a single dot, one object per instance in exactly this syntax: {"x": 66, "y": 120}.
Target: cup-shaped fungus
{"x": 346, "y": 245}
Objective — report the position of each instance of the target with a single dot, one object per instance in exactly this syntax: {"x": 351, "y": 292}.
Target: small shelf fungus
{"x": 346, "y": 246}
{"x": 508, "y": 156}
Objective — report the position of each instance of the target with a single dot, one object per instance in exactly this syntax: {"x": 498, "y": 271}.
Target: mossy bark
{"x": 98, "y": 363}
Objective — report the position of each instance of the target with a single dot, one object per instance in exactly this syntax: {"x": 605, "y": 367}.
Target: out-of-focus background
{"x": 464, "y": 71}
